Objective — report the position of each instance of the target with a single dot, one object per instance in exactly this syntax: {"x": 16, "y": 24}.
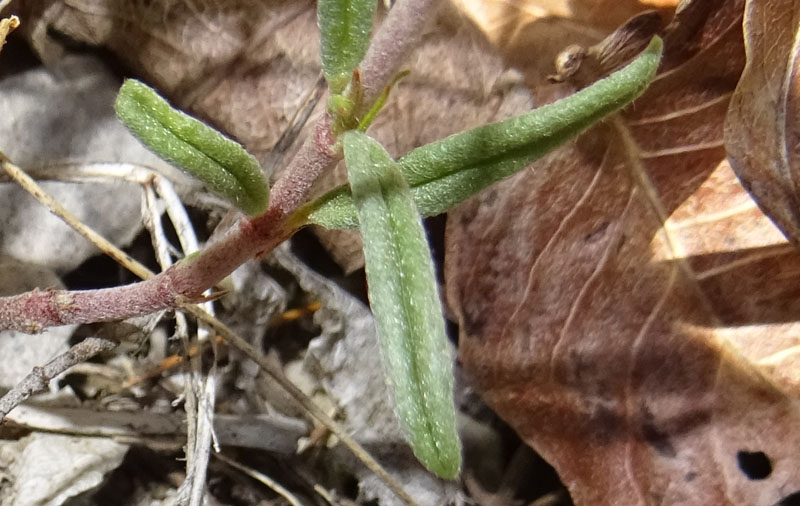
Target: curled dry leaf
{"x": 530, "y": 34}
{"x": 6, "y": 26}
{"x": 763, "y": 128}
{"x": 52, "y": 469}
{"x": 626, "y": 307}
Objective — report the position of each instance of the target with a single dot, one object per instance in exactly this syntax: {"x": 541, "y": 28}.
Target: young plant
{"x": 384, "y": 198}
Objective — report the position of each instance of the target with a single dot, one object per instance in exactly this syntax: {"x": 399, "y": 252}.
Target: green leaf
{"x": 405, "y": 300}
{"x": 220, "y": 162}
{"x": 345, "y": 27}
{"x": 446, "y": 172}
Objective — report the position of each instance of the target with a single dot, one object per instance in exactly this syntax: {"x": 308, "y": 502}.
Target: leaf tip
{"x": 124, "y": 100}
{"x": 445, "y": 460}
{"x": 655, "y": 48}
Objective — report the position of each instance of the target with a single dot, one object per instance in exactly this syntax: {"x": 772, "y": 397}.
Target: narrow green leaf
{"x": 404, "y": 298}
{"x": 446, "y": 172}
{"x": 344, "y": 27}
{"x": 220, "y": 162}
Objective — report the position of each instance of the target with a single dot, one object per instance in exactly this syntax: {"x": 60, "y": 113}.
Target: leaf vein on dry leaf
{"x": 678, "y": 114}
{"x": 639, "y": 342}
{"x": 711, "y": 217}
{"x": 638, "y": 171}
{"x": 641, "y": 178}
{"x": 778, "y": 357}
{"x": 562, "y": 227}
{"x": 616, "y": 237}
{"x": 691, "y": 148}
{"x": 749, "y": 259}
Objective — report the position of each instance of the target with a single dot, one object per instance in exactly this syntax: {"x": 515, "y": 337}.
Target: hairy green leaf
{"x": 405, "y": 300}
{"x": 446, "y": 172}
{"x": 345, "y": 27}
{"x": 220, "y": 162}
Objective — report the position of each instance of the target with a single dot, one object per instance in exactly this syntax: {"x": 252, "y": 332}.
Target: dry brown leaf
{"x": 763, "y": 129}
{"x": 606, "y": 15}
{"x": 628, "y": 310}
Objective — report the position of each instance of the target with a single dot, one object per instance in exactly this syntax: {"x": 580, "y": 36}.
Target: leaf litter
{"x": 701, "y": 238}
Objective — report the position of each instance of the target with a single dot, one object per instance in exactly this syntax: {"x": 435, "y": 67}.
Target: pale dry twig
{"x": 38, "y": 379}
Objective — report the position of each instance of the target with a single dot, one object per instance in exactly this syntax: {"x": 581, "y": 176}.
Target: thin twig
{"x": 263, "y": 478}
{"x": 177, "y": 215}
{"x": 320, "y": 490}
{"x": 152, "y": 222}
{"x": 273, "y": 433}
{"x": 195, "y": 482}
{"x": 29, "y": 185}
{"x": 200, "y": 420}
{"x": 38, "y": 379}
{"x": 101, "y": 172}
